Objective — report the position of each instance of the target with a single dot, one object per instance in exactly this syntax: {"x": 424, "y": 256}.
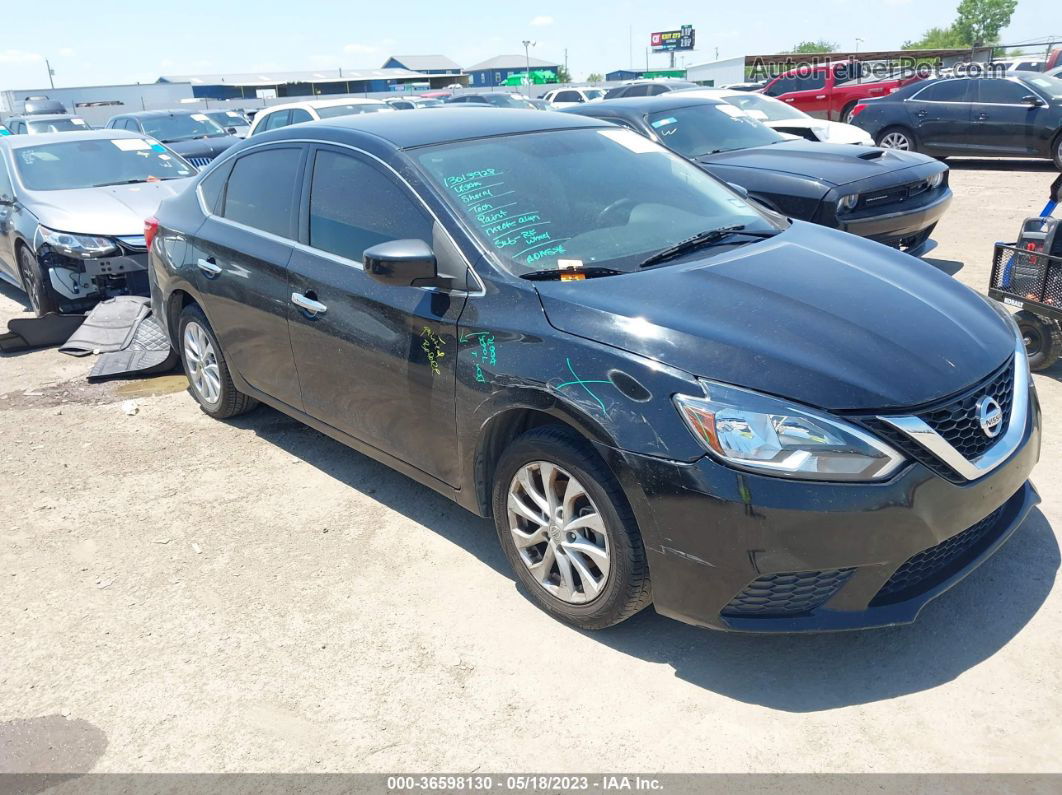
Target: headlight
{"x": 935, "y": 180}
{"x": 81, "y": 246}
{"x": 764, "y": 434}
{"x": 847, "y": 202}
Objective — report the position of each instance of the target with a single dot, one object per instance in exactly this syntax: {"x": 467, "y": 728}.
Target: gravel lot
{"x": 179, "y": 594}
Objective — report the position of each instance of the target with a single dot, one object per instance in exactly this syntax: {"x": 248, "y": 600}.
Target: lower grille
{"x": 787, "y": 594}
{"x": 199, "y": 162}
{"x": 894, "y": 195}
{"x": 934, "y": 565}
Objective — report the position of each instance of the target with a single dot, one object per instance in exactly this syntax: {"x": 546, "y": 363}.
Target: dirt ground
{"x": 180, "y": 594}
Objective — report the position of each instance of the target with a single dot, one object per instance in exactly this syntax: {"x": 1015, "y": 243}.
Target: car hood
{"x": 203, "y": 147}
{"x": 830, "y": 164}
{"x": 861, "y": 327}
{"x": 113, "y": 210}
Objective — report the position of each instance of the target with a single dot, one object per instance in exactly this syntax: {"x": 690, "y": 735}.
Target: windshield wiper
{"x": 708, "y": 238}
{"x": 119, "y": 182}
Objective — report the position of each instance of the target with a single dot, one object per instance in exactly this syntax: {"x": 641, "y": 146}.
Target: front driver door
{"x": 1002, "y": 122}
{"x": 375, "y": 361}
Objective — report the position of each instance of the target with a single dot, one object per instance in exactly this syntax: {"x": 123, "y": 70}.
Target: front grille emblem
{"x": 990, "y": 416}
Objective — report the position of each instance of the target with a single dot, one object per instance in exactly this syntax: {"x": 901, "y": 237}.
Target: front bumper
{"x": 738, "y": 551}
{"x": 900, "y": 227}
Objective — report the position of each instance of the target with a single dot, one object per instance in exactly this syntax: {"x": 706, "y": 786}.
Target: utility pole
{"x": 630, "y": 44}
{"x": 859, "y": 41}
{"x": 527, "y": 61}
{"x": 566, "y": 62}
{"x": 717, "y": 53}
{"x": 51, "y": 73}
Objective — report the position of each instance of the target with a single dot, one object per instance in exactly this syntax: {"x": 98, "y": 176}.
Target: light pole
{"x": 51, "y": 73}
{"x": 527, "y": 62}
{"x": 859, "y": 41}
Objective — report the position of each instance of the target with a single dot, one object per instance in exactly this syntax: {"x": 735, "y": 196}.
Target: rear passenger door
{"x": 376, "y": 361}
{"x": 241, "y": 252}
{"x": 940, "y": 116}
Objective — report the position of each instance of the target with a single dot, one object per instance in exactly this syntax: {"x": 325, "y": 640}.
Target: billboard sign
{"x": 671, "y": 40}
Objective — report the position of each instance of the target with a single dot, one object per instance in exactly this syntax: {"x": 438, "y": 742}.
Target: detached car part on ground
{"x": 892, "y": 197}
{"x": 71, "y": 213}
{"x": 659, "y": 391}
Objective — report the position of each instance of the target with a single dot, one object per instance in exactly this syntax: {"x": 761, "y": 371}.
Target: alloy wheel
{"x": 559, "y": 533}
{"x": 202, "y": 363}
{"x": 896, "y": 140}
{"x": 30, "y": 282}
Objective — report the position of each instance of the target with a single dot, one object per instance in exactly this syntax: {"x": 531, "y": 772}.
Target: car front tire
{"x": 567, "y": 530}
{"x": 208, "y": 373}
{"x": 43, "y": 299}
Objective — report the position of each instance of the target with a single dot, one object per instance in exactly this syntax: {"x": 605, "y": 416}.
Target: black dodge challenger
{"x": 890, "y": 196}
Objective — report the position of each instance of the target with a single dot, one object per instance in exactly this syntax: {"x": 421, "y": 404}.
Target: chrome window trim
{"x": 914, "y": 97}
{"x": 480, "y": 290}
{"x": 917, "y": 429}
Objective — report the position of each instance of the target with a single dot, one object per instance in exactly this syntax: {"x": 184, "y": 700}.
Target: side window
{"x": 945, "y": 91}
{"x": 810, "y": 82}
{"x": 1000, "y": 92}
{"x": 783, "y": 85}
{"x": 637, "y": 91}
{"x": 568, "y": 96}
{"x": 211, "y": 186}
{"x": 354, "y": 205}
{"x": 258, "y": 193}
{"x": 657, "y": 89}
{"x": 276, "y": 120}
{"x": 299, "y": 115}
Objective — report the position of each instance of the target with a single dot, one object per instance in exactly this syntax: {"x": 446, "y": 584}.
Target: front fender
{"x": 792, "y": 194}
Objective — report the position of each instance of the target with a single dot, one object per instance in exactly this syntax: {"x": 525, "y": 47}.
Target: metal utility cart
{"x": 1028, "y": 275}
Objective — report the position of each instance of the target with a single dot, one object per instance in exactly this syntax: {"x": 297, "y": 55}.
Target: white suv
{"x": 567, "y": 97}
{"x": 297, "y": 112}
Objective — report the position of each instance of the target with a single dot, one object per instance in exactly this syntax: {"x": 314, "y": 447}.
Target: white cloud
{"x": 360, "y": 49}
{"x": 19, "y": 56}
{"x": 66, "y": 52}
{"x": 541, "y": 22}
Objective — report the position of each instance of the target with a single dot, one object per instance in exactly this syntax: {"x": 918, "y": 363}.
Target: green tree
{"x": 937, "y": 39}
{"x": 980, "y": 21}
{"x": 563, "y": 75}
{"x": 810, "y": 47}
{"x": 595, "y": 77}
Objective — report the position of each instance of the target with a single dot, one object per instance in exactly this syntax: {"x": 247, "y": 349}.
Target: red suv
{"x": 831, "y": 90}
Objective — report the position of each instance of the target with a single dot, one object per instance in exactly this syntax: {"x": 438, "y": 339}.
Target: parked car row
{"x": 658, "y": 390}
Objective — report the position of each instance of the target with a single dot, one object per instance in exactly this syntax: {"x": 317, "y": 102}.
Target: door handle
{"x": 307, "y": 303}
{"x": 208, "y": 266}
{"x": 790, "y": 99}
{"x": 922, "y": 114}
{"x": 820, "y": 96}
{"x": 982, "y": 116}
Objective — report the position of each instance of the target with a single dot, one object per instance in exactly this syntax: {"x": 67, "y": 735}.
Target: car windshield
{"x": 90, "y": 164}
{"x": 181, "y": 127}
{"x": 228, "y": 118}
{"x": 706, "y": 129}
{"x": 331, "y": 111}
{"x": 580, "y": 198}
{"x": 427, "y": 103}
{"x": 764, "y": 108}
{"x": 593, "y": 93}
{"x": 56, "y": 125}
{"x": 1045, "y": 84}
{"x": 506, "y": 101}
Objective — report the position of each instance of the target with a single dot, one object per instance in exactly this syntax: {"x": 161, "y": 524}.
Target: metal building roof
{"x": 280, "y": 78}
{"x": 510, "y": 62}
{"x": 424, "y": 63}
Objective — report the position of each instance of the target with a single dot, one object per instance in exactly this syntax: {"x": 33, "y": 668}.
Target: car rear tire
{"x": 567, "y": 530}
{"x": 897, "y": 138}
{"x": 846, "y": 112}
{"x": 208, "y": 373}
{"x": 1056, "y": 151}
{"x": 1043, "y": 340}
{"x": 43, "y": 299}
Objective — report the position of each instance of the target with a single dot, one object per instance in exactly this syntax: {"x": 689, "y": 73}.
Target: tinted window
{"x": 783, "y": 85}
{"x": 274, "y": 120}
{"x": 1001, "y": 92}
{"x": 354, "y": 206}
{"x": 181, "y": 127}
{"x": 212, "y": 186}
{"x": 658, "y": 89}
{"x": 641, "y": 90}
{"x": 568, "y": 96}
{"x": 260, "y": 190}
{"x": 945, "y": 91}
{"x": 299, "y": 115}
{"x": 810, "y": 82}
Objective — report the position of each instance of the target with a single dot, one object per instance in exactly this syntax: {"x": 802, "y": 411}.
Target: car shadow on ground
{"x": 795, "y": 673}
{"x": 948, "y": 266}
{"x": 9, "y": 290}
{"x": 1001, "y": 164}
{"x": 380, "y": 482}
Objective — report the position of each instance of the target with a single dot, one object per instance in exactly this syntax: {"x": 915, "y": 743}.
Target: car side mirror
{"x": 230, "y": 130}
{"x": 6, "y": 201}
{"x": 740, "y": 190}
{"x": 1033, "y": 101}
{"x": 402, "y": 263}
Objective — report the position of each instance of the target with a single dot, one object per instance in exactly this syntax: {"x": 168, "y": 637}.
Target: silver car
{"x": 72, "y": 212}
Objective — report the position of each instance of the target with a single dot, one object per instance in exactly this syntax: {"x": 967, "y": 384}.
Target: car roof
{"x": 638, "y": 105}
{"x": 323, "y": 103}
{"x": 442, "y": 125}
{"x": 145, "y": 114}
{"x": 43, "y": 117}
{"x": 21, "y": 141}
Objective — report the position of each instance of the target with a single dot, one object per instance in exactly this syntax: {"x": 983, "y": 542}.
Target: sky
{"x": 94, "y": 43}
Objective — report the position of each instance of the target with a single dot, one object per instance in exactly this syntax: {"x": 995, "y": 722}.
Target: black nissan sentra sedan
{"x": 893, "y": 197}
{"x": 660, "y": 392}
